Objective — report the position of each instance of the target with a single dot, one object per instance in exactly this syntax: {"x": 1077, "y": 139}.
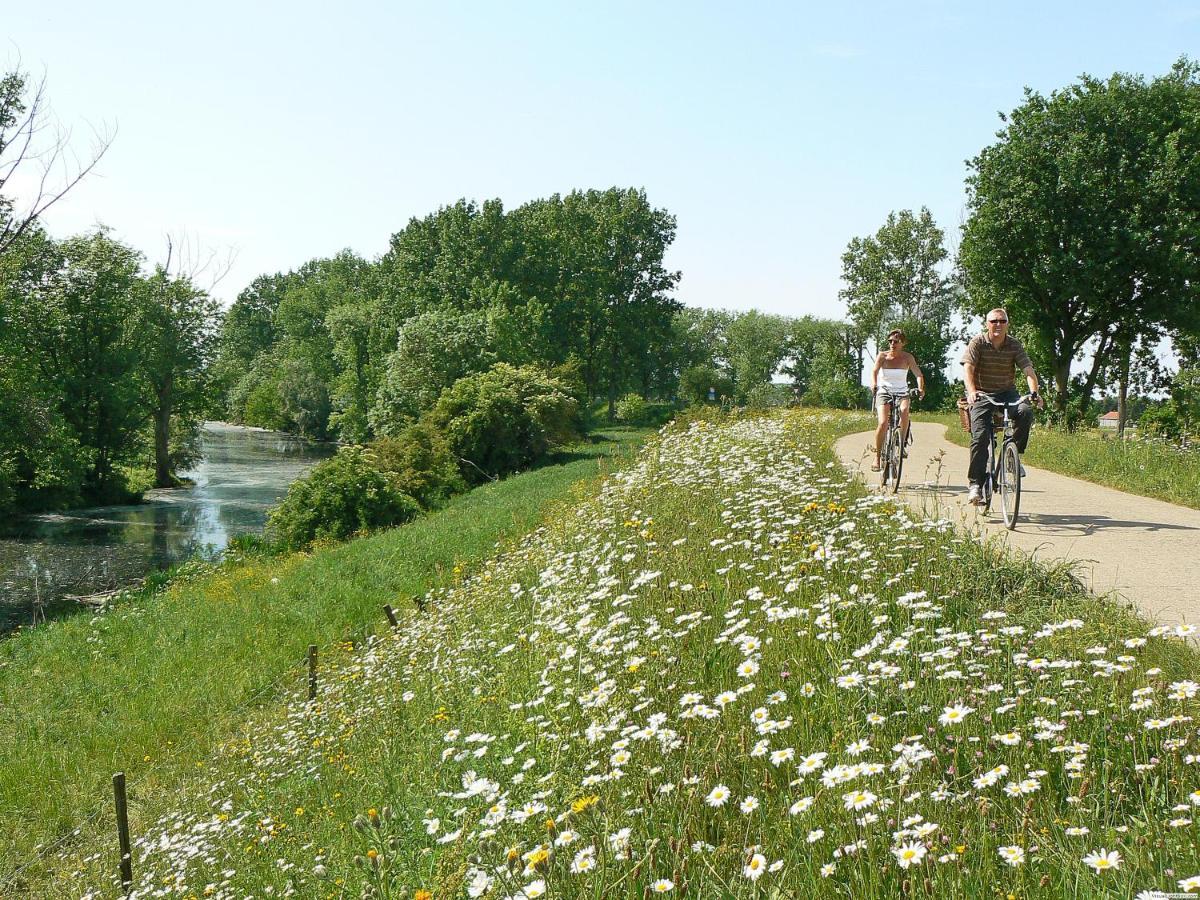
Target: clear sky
{"x": 775, "y": 132}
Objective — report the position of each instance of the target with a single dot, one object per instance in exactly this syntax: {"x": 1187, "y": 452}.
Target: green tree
{"x": 757, "y": 346}
{"x": 825, "y": 362}
{"x": 178, "y": 330}
{"x": 894, "y": 279}
{"x": 78, "y": 326}
{"x": 1083, "y": 221}
{"x": 435, "y": 350}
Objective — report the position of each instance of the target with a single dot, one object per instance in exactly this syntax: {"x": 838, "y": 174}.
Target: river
{"x": 48, "y": 557}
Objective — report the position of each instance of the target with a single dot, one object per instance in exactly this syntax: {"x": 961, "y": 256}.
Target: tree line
{"x": 575, "y": 284}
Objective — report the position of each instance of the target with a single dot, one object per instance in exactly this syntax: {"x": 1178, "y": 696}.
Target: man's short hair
{"x": 896, "y": 332}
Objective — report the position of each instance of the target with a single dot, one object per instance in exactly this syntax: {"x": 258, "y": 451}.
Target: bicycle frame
{"x": 892, "y": 451}
{"x": 1001, "y": 445}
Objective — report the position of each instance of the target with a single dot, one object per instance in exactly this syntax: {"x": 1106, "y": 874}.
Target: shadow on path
{"x": 1088, "y": 524}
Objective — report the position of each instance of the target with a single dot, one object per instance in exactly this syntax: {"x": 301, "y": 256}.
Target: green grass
{"x": 153, "y": 686}
{"x": 542, "y": 705}
{"x": 1145, "y": 467}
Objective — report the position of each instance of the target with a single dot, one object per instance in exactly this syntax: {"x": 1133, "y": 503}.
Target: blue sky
{"x": 774, "y": 132}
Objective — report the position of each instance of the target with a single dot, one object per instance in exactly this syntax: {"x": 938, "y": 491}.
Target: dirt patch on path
{"x": 1145, "y": 550}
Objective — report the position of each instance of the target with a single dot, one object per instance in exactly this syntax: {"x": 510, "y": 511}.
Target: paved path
{"x": 1146, "y": 550}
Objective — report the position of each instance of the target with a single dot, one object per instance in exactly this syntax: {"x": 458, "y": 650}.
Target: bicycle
{"x": 1004, "y": 463}
{"x": 891, "y": 454}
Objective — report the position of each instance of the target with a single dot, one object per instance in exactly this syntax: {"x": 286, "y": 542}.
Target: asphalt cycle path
{"x": 1145, "y": 550}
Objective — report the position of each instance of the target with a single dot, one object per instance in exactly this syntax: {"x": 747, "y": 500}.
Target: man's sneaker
{"x": 974, "y": 495}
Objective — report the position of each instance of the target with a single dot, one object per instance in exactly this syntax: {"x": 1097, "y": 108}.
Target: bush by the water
{"x": 418, "y": 462}
{"x": 339, "y": 498}
{"x": 504, "y": 419}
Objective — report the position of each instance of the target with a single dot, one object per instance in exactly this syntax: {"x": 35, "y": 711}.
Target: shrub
{"x": 837, "y": 393}
{"x": 340, "y": 497}
{"x": 695, "y": 382}
{"x": 766, "y": 395}
{"x": 418, "y": 462}
{"x": 632, "y": 410}
{"x": 504, "y": 419}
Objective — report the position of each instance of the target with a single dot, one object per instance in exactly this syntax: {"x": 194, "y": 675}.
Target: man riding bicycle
{"x": 988, "y": 368}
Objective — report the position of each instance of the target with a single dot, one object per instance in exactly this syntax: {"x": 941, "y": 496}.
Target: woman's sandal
{"x": 875, "y": 467}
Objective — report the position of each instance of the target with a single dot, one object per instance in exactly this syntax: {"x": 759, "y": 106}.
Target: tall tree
{"x": 758, "y": 344}
{"x": 894, "y": 279}
{"x": 78, "y": 326}
{"x": 178, "y": 334}
{"x": 1084, "y": 220}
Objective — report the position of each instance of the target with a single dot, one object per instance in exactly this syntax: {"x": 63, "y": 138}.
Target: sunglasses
{"x": 997, "y": 321}
{"x": 895, "y": 341}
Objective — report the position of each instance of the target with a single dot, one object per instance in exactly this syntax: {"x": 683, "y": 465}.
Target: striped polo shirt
{"x": 994, "y": 368}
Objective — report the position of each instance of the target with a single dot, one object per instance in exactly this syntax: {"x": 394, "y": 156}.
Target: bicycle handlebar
{"x": 980, "y": 395}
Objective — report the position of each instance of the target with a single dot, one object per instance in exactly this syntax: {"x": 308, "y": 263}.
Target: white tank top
{"x": 895, "y": 381}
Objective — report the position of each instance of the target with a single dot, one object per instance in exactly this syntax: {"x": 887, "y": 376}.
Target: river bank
{"x": 46, "y": 559}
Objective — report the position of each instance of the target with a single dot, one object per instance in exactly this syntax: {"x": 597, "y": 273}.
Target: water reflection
{"x": 242, "y": 473}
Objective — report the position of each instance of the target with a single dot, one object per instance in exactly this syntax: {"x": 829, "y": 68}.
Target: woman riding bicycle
{"x": 989, "y": 364}
{"x": 894, "y": 364}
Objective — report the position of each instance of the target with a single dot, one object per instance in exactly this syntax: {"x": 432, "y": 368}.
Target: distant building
{"x": 1109, "y": 420}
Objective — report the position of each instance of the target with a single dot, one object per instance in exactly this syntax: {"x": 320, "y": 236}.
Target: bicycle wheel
{"x": 897, "y": 454}
{"x": 885, "y": 462}
{"x": 989, "y": 482}
{"x": 1010, "y": 484}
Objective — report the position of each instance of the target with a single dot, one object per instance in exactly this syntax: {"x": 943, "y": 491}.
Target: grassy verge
{"x": 730, "y": 673}
{"x": 1147, "y": 468}
{"x": 153, "y": 686}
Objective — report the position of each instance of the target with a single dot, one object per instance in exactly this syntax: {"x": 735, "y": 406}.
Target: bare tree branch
{"x": 20, "y": 128}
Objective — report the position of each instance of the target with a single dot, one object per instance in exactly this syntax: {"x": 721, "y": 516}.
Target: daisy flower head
{"x": 857, "y": 800}
{"x": 952, "y": 715}
{"x": 812, "y": 762}
{"x": 663, "y": 886}
{"x": 749, "y": 805}
{"x": 755, "y": 867}
{"x": 1012, "y": 855}
{"x": 1189, "y": 885}
{"x": 747, "y": 669}
{"x": 801, "y": 805}
{"x": 585, "y": 861}
{"x": 909, "y": 854}
{"x": 779, "y": 757}
{"x": 1102, "y": 860}
{"x": 717, "y": 796}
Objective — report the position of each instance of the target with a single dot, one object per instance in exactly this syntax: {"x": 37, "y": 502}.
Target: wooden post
{"x": 123, "y": 830}
{"x": 312, "y": 671}
{"x": 391, "y": 615}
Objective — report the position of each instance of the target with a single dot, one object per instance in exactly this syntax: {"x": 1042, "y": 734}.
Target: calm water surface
{"x": 242, "y": 473}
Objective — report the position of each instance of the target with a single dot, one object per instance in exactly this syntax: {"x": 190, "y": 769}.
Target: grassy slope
{"x": 151, "y": 688}
{"x": 1137, "y": 467}
{"x": 494, "y": 680}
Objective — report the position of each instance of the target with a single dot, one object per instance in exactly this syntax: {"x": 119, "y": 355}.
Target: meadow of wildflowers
{"x": 730, "y": 673}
